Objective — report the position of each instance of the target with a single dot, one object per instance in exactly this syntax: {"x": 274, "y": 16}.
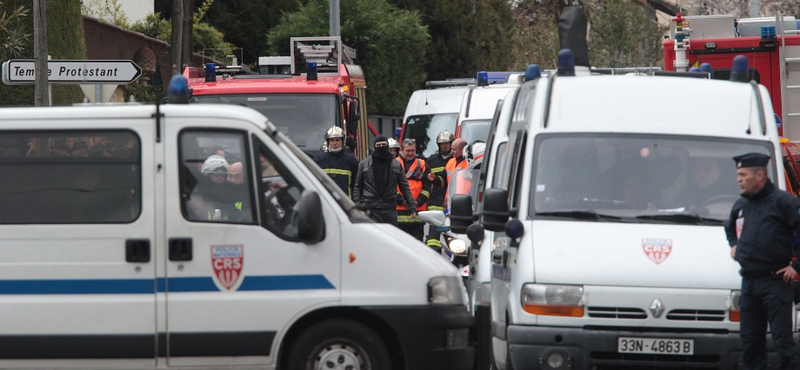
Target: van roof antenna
{"x": 426, "y": 96}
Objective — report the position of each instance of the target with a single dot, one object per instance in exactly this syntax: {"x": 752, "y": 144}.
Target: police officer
{"x": 416, "y": 172}
{"x": 438, "y": 178}
{"x": 759, "y": 231}
{"x": 339, "y": 164}
{"x": 377, "y": 180}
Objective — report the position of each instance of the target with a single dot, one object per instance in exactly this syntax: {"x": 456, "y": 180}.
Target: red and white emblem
{"x": 227, "y": 261}
{"x": 657, "y": 249}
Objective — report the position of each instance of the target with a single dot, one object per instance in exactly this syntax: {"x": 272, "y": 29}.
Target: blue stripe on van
{"x": 147, "y": 286}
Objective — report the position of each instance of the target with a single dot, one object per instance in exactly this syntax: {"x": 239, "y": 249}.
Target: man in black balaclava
{"x": 377, "y": 181}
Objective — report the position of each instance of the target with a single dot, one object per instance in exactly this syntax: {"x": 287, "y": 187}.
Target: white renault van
{"x": 603, "y": 256}
{"x": 478, "y": 107}
{"x": 125, "y": 246}
{"x": 429, "y": 112}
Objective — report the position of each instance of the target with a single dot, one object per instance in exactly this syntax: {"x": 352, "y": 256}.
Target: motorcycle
{"x": 454, "y": 246}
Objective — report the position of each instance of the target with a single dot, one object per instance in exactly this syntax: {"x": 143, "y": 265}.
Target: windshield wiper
{"x": 683, "y": 218}
{"x": 580, "y": 215}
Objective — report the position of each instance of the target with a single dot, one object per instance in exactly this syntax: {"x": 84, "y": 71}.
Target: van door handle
{"x": 137, "y": 250}
{"x": 497, "y": 258}
{"x": 180, "y": 249}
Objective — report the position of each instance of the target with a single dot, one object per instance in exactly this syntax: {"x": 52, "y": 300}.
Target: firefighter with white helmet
{"x": 438, "y": 179}
{"x": 394, "y": 147}
{"x": 338, "y": 163}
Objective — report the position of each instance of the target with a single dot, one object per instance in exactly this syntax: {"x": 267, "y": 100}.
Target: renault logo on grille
{"x": 657, "y": 308}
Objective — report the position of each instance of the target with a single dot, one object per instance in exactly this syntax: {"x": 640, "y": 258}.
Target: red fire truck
{"x": 330, "y": 91}
{"x": 772, "y": 45}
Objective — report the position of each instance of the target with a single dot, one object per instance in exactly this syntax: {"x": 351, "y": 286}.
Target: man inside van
{"x": 759, "y": 231}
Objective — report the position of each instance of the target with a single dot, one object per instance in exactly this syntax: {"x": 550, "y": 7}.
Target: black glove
{"x": 400, "y": 200}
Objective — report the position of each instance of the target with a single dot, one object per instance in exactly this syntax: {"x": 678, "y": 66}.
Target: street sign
{"x": 21, "y": 71}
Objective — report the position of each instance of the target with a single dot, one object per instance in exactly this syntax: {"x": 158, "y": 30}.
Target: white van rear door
{"x": 236, "y": 273}
{"x": 77, "y": 237}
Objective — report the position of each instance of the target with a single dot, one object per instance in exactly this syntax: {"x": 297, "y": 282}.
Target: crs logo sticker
{"x": 227, "y": 261}
{"x": 657, "y": 249}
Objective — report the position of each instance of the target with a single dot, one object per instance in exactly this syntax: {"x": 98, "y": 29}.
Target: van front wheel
{"x": 338, "y": 344}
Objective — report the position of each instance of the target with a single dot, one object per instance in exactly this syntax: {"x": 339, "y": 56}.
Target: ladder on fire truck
{"x": 789, "y": 58}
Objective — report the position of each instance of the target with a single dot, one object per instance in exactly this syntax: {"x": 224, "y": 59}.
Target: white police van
{"x": 604, "y": 255}
{"x": 120, "y": 252}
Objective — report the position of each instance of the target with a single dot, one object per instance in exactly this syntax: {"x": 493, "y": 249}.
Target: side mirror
{"x": 495, "y": 209}
{"x": 353, "y": 117}
{"x": 460, "y": 213}
{"x": 433, "y": 218}
{"x": 475, "y": 234}
{"x": 310, "y": 221}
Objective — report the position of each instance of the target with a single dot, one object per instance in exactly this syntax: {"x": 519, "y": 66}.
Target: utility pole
{"x": 42, "y": 96}
{"x": 334, "y": 18}
{"x": 187, "y": 34}
{"x": 176, "y": 44}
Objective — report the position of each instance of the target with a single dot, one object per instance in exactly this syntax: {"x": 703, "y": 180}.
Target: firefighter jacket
{"x": 417, "y": 175}
{"x": 436, "y": 163}
{"x": 341, "y": 167}
{"x": 365, "y": 189}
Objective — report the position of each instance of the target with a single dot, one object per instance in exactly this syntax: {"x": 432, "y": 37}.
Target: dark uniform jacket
{"x": 341, "y": 167}
{"x": 436, "y": 164}
{"x": 766, "y": 222}
{"x": 365, "y": 190}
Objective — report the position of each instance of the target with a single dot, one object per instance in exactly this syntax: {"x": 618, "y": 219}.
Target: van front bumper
{"x": 432, "y": 337}
{"x": 529, "y": 347}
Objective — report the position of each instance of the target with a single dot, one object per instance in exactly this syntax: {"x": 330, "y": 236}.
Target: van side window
{"x": 500, "y": 164}
{"x": 517, "y": 166}
{"x": 279, "y": 191}
{"x": 216, "y": 184}
{"x": 60, "y": 177}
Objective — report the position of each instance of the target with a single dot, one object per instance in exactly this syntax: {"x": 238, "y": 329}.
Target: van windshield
{"x": 303, "y": 118}
{"x": 424, "y": 128}
{"x": 475, "y": 130}
{"x": 640, "y": 178}
{"x": 341, "y": 198}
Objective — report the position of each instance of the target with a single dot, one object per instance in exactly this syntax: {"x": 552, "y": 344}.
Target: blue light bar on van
{"x": 499, "y": 77}
{"x": 532, "y": 72}
{"x": 311, "y": 73}
{"x": 566, "y": 63}
{"x": 211, "y": 72}
{"x": 178, "y": 90}
{"x": 705, "y": 67}
{"x": 483, "y": 78}
{"x": 739, "y": 69}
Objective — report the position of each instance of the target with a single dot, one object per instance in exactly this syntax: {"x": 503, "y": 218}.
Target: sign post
{"x": 21, "y": 71}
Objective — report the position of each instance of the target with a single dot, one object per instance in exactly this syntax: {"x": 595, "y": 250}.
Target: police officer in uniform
{"x": 759, "y": 231}
{"x": 339, "y": 164}
{"x": 378, "y": 178}
{"x": 416, "y": 172}
{"x": 438, "y": 178}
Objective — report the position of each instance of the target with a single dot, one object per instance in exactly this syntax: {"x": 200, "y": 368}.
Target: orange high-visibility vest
{"x": 451, "y": 168}
{"x": 414, "y": 175}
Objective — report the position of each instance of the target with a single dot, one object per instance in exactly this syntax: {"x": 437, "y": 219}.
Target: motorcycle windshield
{"x": 463, "y": 182}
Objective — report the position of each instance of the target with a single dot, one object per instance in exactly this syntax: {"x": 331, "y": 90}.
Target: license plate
{"x": 661, "y": 346}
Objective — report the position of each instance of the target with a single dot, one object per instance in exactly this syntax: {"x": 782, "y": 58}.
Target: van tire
{"x": 343, "y": 341}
